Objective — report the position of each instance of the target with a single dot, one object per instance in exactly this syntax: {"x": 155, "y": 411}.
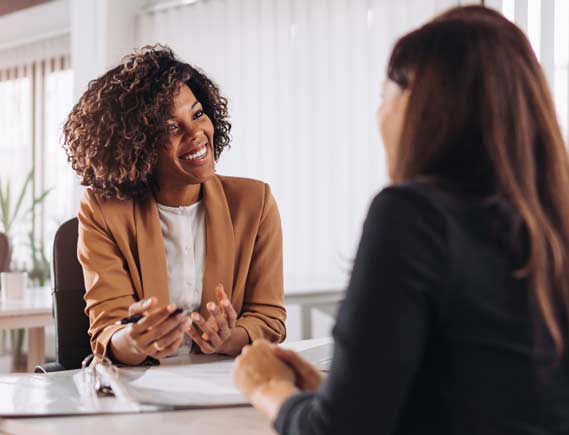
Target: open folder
{"x": 196, "y": 381}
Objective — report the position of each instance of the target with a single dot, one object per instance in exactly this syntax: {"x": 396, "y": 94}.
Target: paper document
{"x": 194, "y": 384}
{"x": 197, "y": 381}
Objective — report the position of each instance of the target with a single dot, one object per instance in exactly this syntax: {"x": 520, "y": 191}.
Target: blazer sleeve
{"x": 384, "y": 324}
{"x": 109, "y": 289}
{"x": 263, "y": 314}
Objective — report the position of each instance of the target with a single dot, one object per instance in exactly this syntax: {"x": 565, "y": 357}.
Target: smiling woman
{"x": 158, "y": 228}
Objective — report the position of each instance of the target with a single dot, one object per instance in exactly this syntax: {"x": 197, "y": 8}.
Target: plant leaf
{"x": 40, "y": 199}
{"x": 7, "y": 199}
{"x": 21, "y": 196}
{"x": 5, "y": 217}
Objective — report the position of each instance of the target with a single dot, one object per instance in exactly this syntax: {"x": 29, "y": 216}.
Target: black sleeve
{"x": 382, "y": 326}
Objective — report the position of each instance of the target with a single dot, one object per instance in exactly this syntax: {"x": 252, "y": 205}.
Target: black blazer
{"x": 436, "y": 334}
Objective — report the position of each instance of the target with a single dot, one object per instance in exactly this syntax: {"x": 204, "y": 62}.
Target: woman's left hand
{"x": 218, "y": 334}
{"x": 263, "y": 378}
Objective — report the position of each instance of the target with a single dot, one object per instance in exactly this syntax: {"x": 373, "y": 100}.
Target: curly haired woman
{"x": 158, "y": 229}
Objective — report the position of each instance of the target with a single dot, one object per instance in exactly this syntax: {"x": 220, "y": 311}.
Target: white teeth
{"x": 197, "y": 155}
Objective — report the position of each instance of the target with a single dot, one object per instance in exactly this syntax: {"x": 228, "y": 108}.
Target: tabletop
{"x": 235, "y": 420}
{"x": 37, "y": 300}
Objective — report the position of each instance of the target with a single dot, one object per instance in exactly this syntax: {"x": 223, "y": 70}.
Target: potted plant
{"x": 12, "y": 214}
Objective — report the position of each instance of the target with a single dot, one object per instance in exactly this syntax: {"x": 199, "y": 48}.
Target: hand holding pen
{"x": 136, "y": 317}
{"x": 151, "y": 331}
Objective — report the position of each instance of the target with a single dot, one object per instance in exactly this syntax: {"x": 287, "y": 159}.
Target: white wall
{"x": 33, "y": 34}
{"x": 32, "y": 24}
{"x": 102, "y": 32}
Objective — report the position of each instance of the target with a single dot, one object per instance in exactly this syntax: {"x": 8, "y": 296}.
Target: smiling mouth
{"x": 198, "y": 154}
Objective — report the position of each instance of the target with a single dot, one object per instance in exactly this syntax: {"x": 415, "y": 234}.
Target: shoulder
{"x": 250, "y": 201}
{"x": 410, "y": 207}
{"x": 239, "y": 186}
{"x": 95, "y": 206}
{"x": 246, "y": 192}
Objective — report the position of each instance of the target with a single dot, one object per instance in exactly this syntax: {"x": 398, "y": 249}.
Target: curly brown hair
{"x": 113, "y": 133}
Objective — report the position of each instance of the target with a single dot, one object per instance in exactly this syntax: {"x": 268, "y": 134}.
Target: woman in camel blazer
{"x": 136, "y": 157}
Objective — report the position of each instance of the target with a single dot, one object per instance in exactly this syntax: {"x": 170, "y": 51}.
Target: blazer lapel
{"x": 151, "y": 253}
{"x": 220, "y": 243}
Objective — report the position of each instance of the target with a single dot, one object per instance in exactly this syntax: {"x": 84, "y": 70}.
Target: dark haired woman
{"x": 158, "y": 229}
{"x": 456, "y": 319}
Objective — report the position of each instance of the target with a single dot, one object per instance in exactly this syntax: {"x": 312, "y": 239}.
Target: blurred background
{"x": 303, "y": 79}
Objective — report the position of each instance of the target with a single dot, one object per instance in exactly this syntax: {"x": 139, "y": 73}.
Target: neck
{"x": 179, "y": 196}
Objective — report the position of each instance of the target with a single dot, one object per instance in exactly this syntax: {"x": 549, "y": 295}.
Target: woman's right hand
{"x": 308, "y": 377}
{"x": 156, "y": 334}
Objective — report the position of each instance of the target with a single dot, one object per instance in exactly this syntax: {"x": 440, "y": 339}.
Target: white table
{"x": 325, "y": 301}
{"x": 33, "y": 313}
{"x": 233, "y": 420}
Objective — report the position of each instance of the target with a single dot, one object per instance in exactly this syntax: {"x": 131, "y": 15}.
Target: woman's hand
{"x": 218, "y": 334}
{"x": 157, "y": 334}
{"x": 263, "y": 378}
{"x": 308, "y": 377}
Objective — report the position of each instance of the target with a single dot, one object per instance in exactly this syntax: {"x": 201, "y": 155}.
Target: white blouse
{"x": 184, "y": 233}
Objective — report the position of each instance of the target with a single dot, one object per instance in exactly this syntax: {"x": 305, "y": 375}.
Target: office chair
{"x": 68, "y": 288}
{"x": 5, "y": 253}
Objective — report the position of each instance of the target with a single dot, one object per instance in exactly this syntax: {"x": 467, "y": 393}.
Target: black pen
{"x": 136, "y": 317}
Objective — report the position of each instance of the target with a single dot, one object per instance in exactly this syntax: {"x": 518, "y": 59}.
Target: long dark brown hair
{"x": 481, "y": 117}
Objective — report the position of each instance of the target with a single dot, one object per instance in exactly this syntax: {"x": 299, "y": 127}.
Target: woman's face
{"x": 188, "y": 157}
{"x": 390, "y": 117}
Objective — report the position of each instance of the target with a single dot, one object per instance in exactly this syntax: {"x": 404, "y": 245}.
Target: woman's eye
{"x": 172, "y": 127}
{"x": 198, "y": 114}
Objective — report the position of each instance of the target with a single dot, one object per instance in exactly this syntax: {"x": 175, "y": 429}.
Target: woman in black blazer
{"x": 456, "y": 318}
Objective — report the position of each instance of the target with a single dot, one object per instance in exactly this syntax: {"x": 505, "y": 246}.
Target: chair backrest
{"x": 5, "y": 253}
{"x": 68, "y": 290}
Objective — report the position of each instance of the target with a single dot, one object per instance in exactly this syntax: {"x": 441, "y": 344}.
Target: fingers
{"x": 167, "y": 344}
{"x": 225, "y": 305}
{"x": 309, "y": 377}
{"x": 162, "y": 330}
{"x": 204, "y": 345}
{"x": 210, "y": 332}
{"x": 169, "y": 350}
{"x": 229, "y": 312}
{"x": 141, "y": 306}
{"x": 219, "y": 316}
{"x": 291, "y": 358}
{"x": 153, "y": 319}
{"x": 220, "y": 293}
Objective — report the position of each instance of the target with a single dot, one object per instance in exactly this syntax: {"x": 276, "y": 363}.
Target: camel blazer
{"x": 122, "y": 253}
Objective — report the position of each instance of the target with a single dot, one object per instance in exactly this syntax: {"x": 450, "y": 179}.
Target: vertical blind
{"x": 303, "y": 79}
{"x": 545, "y": 23}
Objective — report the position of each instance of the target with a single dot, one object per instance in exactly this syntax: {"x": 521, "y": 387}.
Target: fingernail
{"x": 226, "y": 302}
{"x": 211, "y": 306}
{"x": 147, "y": 303}
{"x": 171, "y": 307}
{"x": 196, "y": 317}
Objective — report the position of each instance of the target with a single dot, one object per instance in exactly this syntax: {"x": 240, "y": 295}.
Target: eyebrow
{"x": 194, "y": 104}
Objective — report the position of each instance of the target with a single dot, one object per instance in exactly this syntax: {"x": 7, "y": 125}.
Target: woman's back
{"x": 486, "y": 368}
{"x": 436, "y": 334}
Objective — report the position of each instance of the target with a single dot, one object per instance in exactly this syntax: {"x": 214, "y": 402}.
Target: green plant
{"x": 10, "y": 214}
{"x": 39, "y": 272}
